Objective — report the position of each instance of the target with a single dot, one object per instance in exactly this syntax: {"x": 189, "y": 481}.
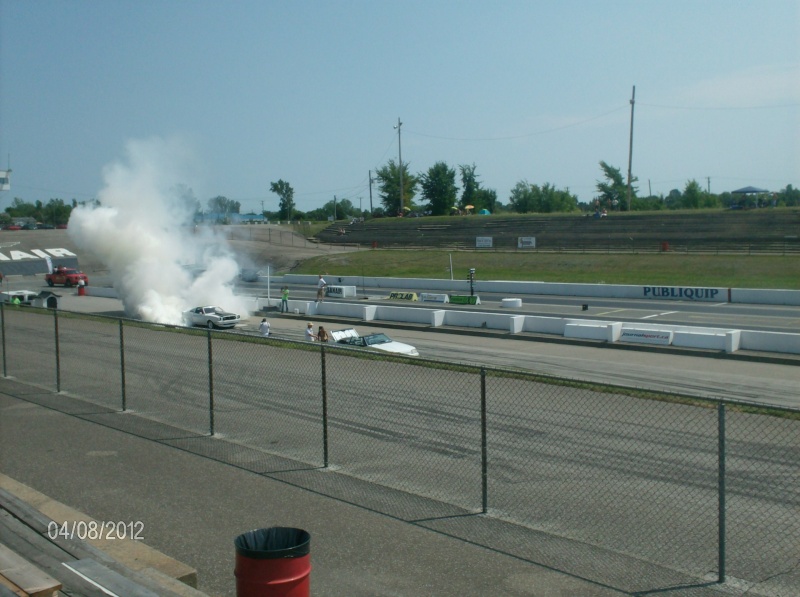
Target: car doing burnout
{"x": 66, "y": 276}
{"x": 211, "y": 317}
{"x": 377, "y": 341}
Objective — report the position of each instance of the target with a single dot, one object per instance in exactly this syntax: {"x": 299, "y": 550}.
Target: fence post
{"x": 58, "y": 351}
{"x": 210, "y": 385}
{"x": 484, "y": 448}
{"x": 324, "y": 408}
{"x": 122, "y": 366}
{"x": 3, "y": 324}
{"x": 721, "y": 489}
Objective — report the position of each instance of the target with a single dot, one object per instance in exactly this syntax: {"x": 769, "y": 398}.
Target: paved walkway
{"x": 192, "y": 508}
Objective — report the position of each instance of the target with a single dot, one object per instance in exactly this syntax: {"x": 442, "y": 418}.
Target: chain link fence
{"x": 631, "y": 489}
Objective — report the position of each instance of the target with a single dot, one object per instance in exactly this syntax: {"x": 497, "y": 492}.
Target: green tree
{"x": 528, "y": 198}
{"x": 223, "y": 205}
{"x": 389, "y": 187}
{"x": 789, "y": 196}
{"x": 613, "y": 192}
{"x": 521, "y": 199}
{"x": 285, "y": 193}
{"x": 438, "y": 186}
{"x": 486, "y": 199}
{"x": 691, "y": 196}
{"x": 339, "y": 209}
{"x": 469, "y": 186}
{"x": 186, "y": 204}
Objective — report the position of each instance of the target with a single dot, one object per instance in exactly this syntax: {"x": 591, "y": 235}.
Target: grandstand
{"x": 767, "y": 230}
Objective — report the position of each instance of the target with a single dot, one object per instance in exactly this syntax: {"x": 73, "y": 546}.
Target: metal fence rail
{"x": 629, "y": 489}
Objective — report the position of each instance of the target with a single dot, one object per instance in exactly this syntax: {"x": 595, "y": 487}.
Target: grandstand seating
{"x": 757, "y": 230}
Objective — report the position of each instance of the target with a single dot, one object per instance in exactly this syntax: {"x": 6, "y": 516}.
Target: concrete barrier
{"x": 770, "y": 341}
{"x": 511, "y": 303}
{"x": 765, "y": 297}
{"x": 473, "y": 319}
{"x": 538, "y": 324}
{"x": 646, "y": 336}
{"x": 708, "y": 340}
{"x": 430, "y": 297}
{"x": 341, "y": 291}
{"x": 593, "y": 330}
{"x": 404, "y": 314}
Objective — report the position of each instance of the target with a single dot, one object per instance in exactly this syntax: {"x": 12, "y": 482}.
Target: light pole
{"x": 400, "y": 160}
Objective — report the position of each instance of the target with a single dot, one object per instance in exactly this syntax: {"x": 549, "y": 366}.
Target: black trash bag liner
{"x": 273, "y": 543}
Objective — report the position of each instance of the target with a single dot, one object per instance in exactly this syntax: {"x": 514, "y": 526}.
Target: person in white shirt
{"x": 263, "y": 327}
{"x": 310, "y": 335}
{"x": 321, "y": 284}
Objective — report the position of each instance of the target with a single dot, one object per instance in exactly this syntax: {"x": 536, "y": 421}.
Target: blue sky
{"x": 309, "y": 91}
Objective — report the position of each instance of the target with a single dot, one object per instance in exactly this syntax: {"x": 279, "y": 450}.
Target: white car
{"x": 210, "y": 317}
{"x": 377, "y": 341}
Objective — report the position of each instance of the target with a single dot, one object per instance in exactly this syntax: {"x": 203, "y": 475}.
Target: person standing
{"x": 321, "y": 284}
{"x": 285, "y": 299}
{"x": 310, "y": 335}
{"x": 322, "y": 335}
{"x": 263, "y": 327}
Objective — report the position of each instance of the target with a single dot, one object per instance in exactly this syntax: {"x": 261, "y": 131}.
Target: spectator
{"x": 285, "y": 299}
{"x": 310, "y": 335}
{"x": 322, "y": 335}
{"x": 263, "y": 327}
{"x": 321, "y": 284}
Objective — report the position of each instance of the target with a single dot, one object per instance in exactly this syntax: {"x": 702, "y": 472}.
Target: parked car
{"x": 29, "y": 227}
{"x": 67, "y": 276}
{"x": 210, "y": 317}
{"x": 378, "y": 341}
{"x": 45, "y": 226}
{"x": 13, "y": 227}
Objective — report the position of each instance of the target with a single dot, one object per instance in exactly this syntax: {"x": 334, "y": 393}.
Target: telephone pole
{"x": 400, "y": 159}
{"x": 370, "y": 193}
{"x": 630, "y": 148}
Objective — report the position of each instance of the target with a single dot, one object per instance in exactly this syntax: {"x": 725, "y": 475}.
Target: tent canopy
{"x": 749, "y": 190}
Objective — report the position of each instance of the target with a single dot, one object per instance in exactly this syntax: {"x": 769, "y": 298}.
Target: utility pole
{"x": 400, "y": 159}
{"x": 708, "y": 184}
{"x": 630, "y": 148}
{"x": 334, "y": 208}
{"x": 370, "y": 192}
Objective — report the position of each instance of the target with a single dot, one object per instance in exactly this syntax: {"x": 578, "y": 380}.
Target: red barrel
{"x": 273, "y": 562}
{"x": 81, "y": 290}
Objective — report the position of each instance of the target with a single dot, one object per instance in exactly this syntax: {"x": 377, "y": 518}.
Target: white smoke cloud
{"x": 143, "y": 232}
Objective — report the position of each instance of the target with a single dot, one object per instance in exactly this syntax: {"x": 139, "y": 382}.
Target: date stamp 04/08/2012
{"x": 93, "y": 529}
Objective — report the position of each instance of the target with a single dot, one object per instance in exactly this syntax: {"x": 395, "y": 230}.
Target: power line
{"x": 523, "y": 136}
{"x": 720, "y": 108}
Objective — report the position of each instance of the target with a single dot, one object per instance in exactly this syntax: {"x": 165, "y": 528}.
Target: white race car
{"x": 377, "y": 341}
{"x": 210, "y": 317}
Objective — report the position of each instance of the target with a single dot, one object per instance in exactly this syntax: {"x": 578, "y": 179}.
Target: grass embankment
{"x": 666, "y": 269}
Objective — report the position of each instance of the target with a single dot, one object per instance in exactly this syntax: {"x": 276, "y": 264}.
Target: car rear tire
{"x": 67, "y": 283}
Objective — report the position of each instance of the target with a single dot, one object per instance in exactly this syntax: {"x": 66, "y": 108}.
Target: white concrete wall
{"x": 514, "y": 288}
{"x": 765, "y": 297}
{"x": 770, "y": 342}
{"x": 477, "y": 319}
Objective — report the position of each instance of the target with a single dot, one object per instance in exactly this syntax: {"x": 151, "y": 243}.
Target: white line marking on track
{"x": 659, "y": 314}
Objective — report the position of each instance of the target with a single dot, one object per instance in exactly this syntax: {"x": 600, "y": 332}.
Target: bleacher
{"x": 758, "y": 230}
